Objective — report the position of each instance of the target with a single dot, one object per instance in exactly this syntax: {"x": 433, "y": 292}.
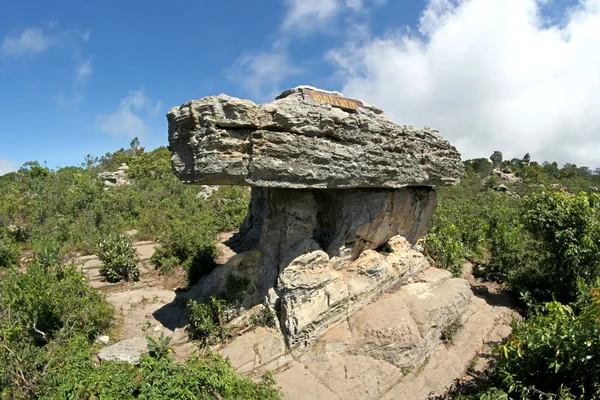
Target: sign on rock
{"x": 336, "y": 101}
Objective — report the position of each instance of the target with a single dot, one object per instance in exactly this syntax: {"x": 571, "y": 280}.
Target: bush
{"x": 41, "y": 310}
{"x": 265, "y": 317}
{"x": 119, "y": 258}
{"x": 205, "y": 376}
{"x": 9, "y": 253}
{"x": 568, "y": 231}
{"x": 207, "y": 321}
{"x": 555, "y": 351}
{"x": 200, "y": 262}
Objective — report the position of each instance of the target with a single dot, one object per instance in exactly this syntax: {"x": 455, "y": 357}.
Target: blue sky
{"x": 86, "y": 77}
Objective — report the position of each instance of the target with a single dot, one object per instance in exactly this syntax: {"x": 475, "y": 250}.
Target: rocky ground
{"x": 389, "y": 349}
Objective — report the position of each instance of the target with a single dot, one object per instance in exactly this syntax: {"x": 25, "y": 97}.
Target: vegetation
{"x": 70, "y": 207}
{"x": 450, "y": 331}
{"x": 119, "y": 258}
{"x": 543, "y": 242}
{"x": 49, "y": 315}
{"x": 208, "y": 319}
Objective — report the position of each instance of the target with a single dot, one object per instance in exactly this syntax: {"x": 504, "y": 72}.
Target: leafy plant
{"x": 9, "y": 253}
{"x": 207, "y": 321}
{"x": 450, "y": 331}
{"x": 159, "y": 348}
{"x": 119, "y": 258}
{"x": 265, "y": 317}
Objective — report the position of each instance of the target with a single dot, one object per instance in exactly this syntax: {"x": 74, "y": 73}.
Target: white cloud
{"x": 30, "y": 41}
{"x": 490, "y": 75}
{"x": 305, "y": 15}
{"x": 128, "y": 120}
{"x": 7, "y": 166}
{"x": 83, "y": 70}
{"x": 261, "y": 73}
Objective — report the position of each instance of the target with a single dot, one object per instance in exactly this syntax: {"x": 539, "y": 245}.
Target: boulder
{"x": 128, "y": 350}
{"x": 340, "y": 194}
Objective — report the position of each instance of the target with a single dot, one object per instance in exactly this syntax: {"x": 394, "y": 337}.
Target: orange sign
{"x": 336, "y": 101}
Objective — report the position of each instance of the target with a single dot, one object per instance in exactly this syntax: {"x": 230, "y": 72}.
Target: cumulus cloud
{"x": 7, "y": 166}
{"x": 306, "y": 16}
{"x": 490, "y": 75}
{"x": 30, "y": 41}
{"x": 129, "y": 119}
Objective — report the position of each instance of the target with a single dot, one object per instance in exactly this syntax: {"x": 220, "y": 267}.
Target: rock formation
{"x": 117, "y": 178}
{"x": 340, "y": 193}
{"x": 496, "y": 159}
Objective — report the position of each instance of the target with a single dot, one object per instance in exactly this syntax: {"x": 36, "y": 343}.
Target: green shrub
{"x": 207, "y": 321}
{"x": 443, "y": 244}
{"x": 555, "y": 351}
{"x": 41, "y": 309}
{"x": 450, "y": 331}
{"x": 118, "y": 257}
{"x": 265, "y": 317}
{"x": 568, "y": 232}
{"x": 201, "y": 262}
{"x": 9, "y": 253}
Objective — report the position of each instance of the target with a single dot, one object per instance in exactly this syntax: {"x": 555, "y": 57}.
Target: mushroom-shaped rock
{"x": 334, "y": 183}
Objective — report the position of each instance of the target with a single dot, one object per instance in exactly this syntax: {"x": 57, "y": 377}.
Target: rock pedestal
{"x": 339, "y": 196}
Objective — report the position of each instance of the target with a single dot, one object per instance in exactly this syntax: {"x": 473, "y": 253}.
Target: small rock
{"x": 129, "y": 350}
{"x": 104, "y": 339}
{"x": 501, "y": 188}
{"x": 207, "y": 191}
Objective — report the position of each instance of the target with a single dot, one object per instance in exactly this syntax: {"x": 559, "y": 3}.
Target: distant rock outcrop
{"x": 496, "y": 159}
{"x": 340, "y": 193}
{"x": 117, "y": 178}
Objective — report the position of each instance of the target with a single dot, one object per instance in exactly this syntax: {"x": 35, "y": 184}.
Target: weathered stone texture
{"x": 289, "y": 143}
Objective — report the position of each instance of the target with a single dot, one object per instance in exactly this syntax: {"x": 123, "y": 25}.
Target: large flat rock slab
{"x": 389, "y": 349}
{"x": 293, "y": 142}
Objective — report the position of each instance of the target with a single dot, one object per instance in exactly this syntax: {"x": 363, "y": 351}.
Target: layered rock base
{"x": 322, "y": 254}
{"x": 390, "y": 349}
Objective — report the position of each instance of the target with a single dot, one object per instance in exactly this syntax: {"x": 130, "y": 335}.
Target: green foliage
{"x": 119, "y": 258}
{"x": 207, "y": 321}
{"x": 206, "y": 376}
{"x": 9, "y": 253}
{"x": 159, "y": 348}
{"x": 554, "y": 351}
{"x": 480, "y": 166}
{"x": 70, "y": 207}
{"x": 40, "y": 310}
{"x": 450, "y": 331}
{"x": 569, "y": 235}
{"x": 265, "y": 317}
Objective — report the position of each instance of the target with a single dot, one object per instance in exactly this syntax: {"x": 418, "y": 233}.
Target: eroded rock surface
{"x": 291, "y": 143}
{"x": 390, "y": 349}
